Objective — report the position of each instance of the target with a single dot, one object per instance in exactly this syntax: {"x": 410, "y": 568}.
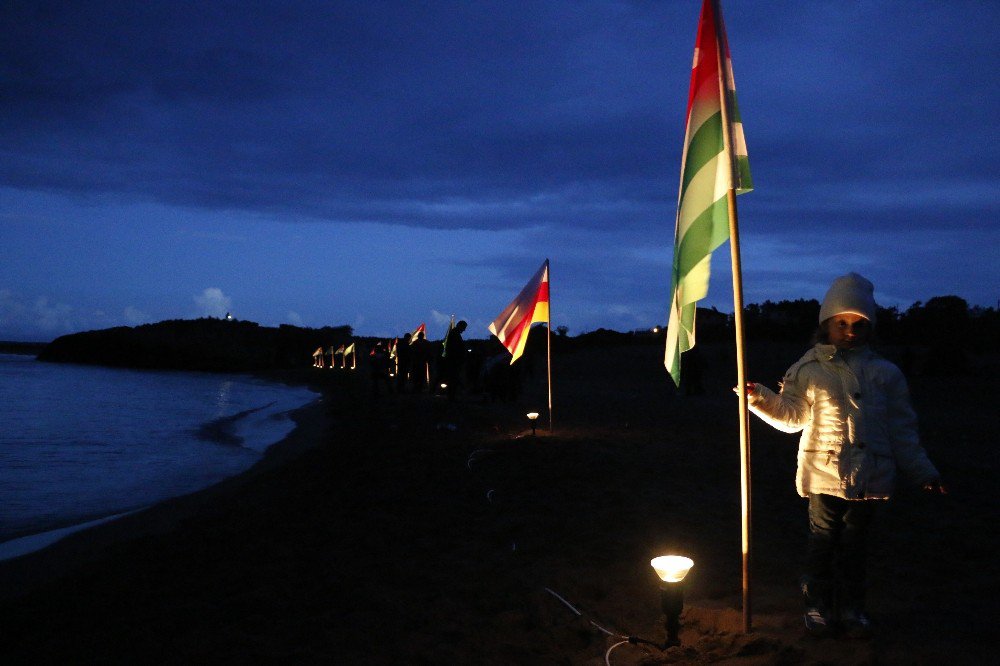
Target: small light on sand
{"x": 671, "y": 570}
{"x": 533, "y": 417}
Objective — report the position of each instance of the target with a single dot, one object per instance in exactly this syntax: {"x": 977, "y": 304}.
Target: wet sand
{"x": 410, "y": 529}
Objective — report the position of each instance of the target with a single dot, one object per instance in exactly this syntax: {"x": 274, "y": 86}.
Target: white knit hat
{"x": 849, "y": 293}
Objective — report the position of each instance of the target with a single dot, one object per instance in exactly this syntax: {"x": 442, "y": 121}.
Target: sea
{"x": 81, "y": 443}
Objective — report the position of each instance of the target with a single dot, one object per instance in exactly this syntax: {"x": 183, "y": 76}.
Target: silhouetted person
{"x": 420, "y": 356}
{"x": 453, "y": 358}
{"x": 404, "y": 360}
{"x": 379, "y": 362}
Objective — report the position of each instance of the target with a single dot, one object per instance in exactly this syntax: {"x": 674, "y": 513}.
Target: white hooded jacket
{"x": 858, "y": 427}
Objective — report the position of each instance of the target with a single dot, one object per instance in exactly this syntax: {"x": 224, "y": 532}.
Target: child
{"x": 858, "y": 430}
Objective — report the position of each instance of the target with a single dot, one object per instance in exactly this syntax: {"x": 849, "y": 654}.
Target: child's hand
{"x": 935, "y": 487}
{"x": 750, "y": 386}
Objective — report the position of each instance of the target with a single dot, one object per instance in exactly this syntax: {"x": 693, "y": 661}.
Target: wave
{"x": 222, "y": 430}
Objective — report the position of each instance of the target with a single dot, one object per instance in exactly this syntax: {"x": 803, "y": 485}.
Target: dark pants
{"x": 836, "y": 553}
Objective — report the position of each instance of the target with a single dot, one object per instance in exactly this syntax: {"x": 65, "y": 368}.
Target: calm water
{"x": 82, "y": 442}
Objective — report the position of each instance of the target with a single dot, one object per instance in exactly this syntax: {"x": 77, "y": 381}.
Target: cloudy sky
{"x": 380, "y": 164}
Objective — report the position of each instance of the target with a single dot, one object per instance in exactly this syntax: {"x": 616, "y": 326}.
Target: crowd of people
{"x": 452, "y": 366}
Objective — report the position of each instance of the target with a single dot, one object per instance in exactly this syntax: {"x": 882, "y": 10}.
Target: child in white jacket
{"x": 858, "y": 429}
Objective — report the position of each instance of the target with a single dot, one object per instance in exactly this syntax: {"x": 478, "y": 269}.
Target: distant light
{"x": 656, "y": 329}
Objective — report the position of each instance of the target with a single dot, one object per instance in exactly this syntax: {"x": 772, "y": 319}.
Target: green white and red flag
{"x": 419, "y": 329}
{"x": 531, "y": 306}
{"x": 714, "y": 161}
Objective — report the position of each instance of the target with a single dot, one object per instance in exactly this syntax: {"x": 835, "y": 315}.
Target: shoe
{"x": 816, "y": 621}
{"x": 856, "y": 624}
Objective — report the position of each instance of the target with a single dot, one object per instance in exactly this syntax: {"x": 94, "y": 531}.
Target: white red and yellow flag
{"x": 531, "y": 306}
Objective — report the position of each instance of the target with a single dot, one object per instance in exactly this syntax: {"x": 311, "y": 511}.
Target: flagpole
{"x": 548, "y": 341}
{"x": 734, "y": 246}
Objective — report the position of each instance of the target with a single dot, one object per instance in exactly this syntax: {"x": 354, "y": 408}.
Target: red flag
{"x": 419, "y": 329}
{"x": 530, "y": 306}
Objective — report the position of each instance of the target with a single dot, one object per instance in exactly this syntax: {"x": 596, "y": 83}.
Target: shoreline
{"x": 29, "y": 560}
{"x": 217, "y": 431}
{"x": 36, "y": 541}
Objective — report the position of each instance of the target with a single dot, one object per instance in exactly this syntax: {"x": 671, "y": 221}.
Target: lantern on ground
{"x": 533, "y": 418}
{"x": 671, "y": 570}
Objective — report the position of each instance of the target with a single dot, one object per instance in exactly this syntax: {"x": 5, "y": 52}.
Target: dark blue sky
{"x": 380, "y": 164}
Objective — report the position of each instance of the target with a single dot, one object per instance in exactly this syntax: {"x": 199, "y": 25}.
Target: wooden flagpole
{"x": 548, "y": 340}
{"x": 734, "y": 246}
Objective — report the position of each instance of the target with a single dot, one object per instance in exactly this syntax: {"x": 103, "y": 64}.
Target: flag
{"x": 710, "y": 167}
{"x": 444, "y": 342}
{"x": 349, "y": 349}
{"x": 530, "y": 306}
{"x": 419, "y": 329}
{"x": 340, "y": 349}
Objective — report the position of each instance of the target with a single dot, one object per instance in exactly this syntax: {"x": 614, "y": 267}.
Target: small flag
{"x": 340, "y": 350}
{"x": 709, "y": 169}
{"x": 530, "y": 306}
{"x": 349, "y": 349}
{"x": 419, "y": 329}
{"x": 444, "y": 343}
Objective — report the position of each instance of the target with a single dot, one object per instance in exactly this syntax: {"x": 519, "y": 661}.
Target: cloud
{"x": 213, "y": 303}
{"x": 38, "y": 317}
{"x": 483, "y": 115}
{"x": 440, "y": 318}
{"x": 134, "y": 316}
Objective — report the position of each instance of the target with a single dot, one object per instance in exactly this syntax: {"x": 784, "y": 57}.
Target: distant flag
{"x": 419, "y": 329}
{"x": 340, "y": 350}
{"x": 444, "y": 343}
{"x": 349, "y": 349}
{"x": 709, "y": 168}
{"x": 530, "y": 306}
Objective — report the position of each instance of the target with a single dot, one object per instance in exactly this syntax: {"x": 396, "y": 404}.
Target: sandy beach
{"x": 413, "y": 530}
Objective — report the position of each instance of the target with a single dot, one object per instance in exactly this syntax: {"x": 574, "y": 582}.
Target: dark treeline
{"x": 943, "y": 321}
{"x": 197, "y": 344}
{"x": 938, "y": 337}
{"x": 943, "y": 332}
